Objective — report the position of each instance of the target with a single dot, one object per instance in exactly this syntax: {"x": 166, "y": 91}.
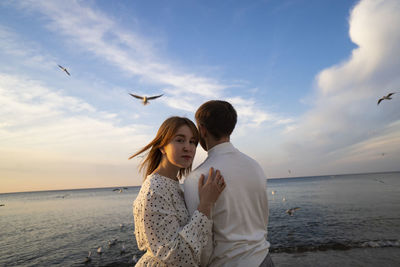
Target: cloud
{"x": 344, "y": 111}
{"x": 28, "y": 53}
{"x": 93, "y": 31}
{"x": 37, "y": 118}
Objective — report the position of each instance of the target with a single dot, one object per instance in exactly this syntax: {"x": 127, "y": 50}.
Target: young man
{"x": 240, "y": 215}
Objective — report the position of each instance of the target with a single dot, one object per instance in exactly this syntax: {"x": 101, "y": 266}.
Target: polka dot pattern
{"x": 163, "y": 226}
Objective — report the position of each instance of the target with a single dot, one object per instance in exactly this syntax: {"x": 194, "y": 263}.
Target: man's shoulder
{"x": 201, "y": 169}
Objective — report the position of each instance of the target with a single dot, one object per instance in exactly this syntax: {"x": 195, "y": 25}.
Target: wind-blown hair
{"x": 164, "y": 135}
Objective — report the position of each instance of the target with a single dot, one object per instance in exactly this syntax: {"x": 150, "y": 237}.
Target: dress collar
{"x": 168, "y": 180}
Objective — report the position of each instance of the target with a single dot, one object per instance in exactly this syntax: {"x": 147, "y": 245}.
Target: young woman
{"x": 162, "y": 224}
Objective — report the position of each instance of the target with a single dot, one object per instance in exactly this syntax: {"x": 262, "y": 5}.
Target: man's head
{"x": 218, "y": 118}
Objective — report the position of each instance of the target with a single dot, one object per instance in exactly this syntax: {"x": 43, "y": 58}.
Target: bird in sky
{"x": 64, "y": 69}
{"x": 292, "y": 210}
{"x": 387, "y": 97}
{"x": 145, "y": 99}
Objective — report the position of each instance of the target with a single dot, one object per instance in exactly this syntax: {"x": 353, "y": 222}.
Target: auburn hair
{"x": 164, "y": 135}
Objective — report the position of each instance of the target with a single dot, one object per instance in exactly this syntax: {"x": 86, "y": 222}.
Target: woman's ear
{"x": 162, "y": 150}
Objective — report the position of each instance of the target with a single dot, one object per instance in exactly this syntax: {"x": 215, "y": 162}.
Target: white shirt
{"x": 164, "y": 228}
{"x": 240, "y": 214}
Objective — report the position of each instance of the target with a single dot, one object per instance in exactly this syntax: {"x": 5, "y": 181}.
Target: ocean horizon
{"x": 132, "y": 186}
{"x": 343, "y": 219}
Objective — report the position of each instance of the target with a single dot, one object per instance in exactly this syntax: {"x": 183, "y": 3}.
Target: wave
{"x": 337, "y": 246}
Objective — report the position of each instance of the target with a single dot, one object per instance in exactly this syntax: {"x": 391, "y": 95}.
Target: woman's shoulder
{"x": 158, "y": 184}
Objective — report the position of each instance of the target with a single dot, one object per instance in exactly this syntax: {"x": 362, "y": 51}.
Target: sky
{"x": 303, "y": 75}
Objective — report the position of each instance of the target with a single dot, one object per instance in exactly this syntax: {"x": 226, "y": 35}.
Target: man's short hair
{"x": 218, "y": 117}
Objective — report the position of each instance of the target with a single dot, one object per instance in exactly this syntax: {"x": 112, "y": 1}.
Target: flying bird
{"x": 145, "y": 99}
{"x": 120, "y": 190}
{"x": 292, "y": 210}
{"x": 64, "y": 69}
{"x": 387, "y": 97}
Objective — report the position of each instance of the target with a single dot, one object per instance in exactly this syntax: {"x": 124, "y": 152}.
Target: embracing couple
{"x": 221, "y": 218}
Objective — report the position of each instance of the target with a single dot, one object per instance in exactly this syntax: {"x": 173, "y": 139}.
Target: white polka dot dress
{"x": 163, "y": 227}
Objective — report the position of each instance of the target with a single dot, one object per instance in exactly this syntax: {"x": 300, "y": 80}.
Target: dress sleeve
{"x": 170, "y": 243}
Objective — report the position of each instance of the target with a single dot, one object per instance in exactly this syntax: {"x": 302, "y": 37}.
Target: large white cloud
{"x": 345, "y": 124}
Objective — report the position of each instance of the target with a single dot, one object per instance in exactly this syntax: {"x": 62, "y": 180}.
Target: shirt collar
{"x": 221, "y": 149}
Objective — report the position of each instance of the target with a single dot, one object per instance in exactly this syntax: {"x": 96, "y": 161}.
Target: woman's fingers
{"x": 201, "y": 181}
{"x": 210, "y": 175}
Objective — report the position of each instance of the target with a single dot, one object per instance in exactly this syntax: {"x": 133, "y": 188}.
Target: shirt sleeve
{"x": 169, "y": 242}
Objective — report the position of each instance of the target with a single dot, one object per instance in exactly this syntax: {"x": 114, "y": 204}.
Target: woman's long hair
{"x": 164, "y": 135}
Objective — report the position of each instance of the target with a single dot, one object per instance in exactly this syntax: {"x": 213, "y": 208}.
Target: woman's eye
{"x": 180, "y": 140}
{"x": 193, "y": 142}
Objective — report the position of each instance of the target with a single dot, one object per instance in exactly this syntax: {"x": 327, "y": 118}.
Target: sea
{"x": 341, "y": 220}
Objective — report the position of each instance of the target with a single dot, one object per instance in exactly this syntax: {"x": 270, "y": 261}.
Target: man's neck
{"x": 213, "y": 143}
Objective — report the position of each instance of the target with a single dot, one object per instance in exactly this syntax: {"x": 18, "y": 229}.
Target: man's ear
{"x": 202, "y": 131}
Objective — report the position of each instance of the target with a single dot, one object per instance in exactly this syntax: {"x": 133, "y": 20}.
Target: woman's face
{"x": 181, "y": 149}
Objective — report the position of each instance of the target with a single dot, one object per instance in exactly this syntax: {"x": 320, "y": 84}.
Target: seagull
{"x": 88, "y": 258}
{"x": 291, "y": 211}
{"x": 145, "y": 99}
{"x": 64, "y": 69}
{"x": 112, "y": 242}
{"x": 123, "y": 250}
{"x": 120, "y": 190}
{"x": 387, "y": 97}
{"x": 376, "y": 179}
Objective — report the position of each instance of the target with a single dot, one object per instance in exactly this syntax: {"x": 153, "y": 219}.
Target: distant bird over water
{"x": 292, "y": 210}
{"x": 387, "y": 97}
{"x": 145, "y": 99}
{"x": 120, "y": 190}
{"x": 64, "y": 69}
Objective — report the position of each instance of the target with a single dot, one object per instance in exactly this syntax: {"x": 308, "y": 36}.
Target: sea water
{"x": 346, "y": 220}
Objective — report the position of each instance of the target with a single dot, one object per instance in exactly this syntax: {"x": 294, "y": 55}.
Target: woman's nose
{"x": 187, "y": 146}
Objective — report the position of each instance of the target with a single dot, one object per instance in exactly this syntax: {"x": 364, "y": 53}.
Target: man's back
{"x": 241, "y": 213}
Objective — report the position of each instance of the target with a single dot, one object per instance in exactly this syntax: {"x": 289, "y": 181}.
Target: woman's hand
{"x": 210, "y": 191}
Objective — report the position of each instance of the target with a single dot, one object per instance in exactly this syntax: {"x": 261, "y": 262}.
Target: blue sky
{"x": 304, "y": 77}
